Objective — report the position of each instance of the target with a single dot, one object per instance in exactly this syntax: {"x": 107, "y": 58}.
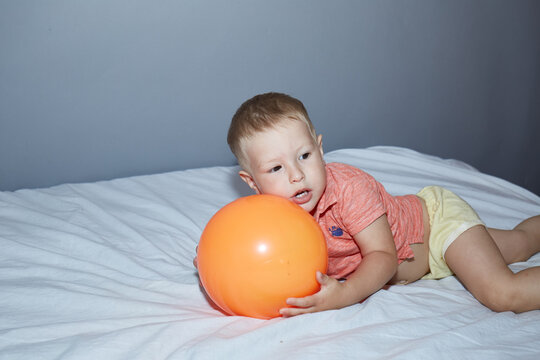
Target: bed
{"x": 104, "y": 271}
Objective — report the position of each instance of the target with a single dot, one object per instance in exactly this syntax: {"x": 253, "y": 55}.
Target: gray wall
{"x": 93, "y": 90}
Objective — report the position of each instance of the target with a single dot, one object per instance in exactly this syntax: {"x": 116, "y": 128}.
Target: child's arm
{"x": 378, "y": 266}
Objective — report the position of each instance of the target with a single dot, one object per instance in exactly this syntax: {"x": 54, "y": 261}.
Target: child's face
{"x": 286, "y": 161}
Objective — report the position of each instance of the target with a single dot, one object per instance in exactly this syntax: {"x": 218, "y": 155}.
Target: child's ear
{"x": 319, "y": 142}
{"x": 248, "y": 179}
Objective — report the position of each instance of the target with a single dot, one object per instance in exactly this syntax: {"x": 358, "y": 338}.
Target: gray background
{"x": 93, "y": 90}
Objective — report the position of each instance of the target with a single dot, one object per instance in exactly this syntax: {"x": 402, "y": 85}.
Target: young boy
{"x": 374, "y": 238}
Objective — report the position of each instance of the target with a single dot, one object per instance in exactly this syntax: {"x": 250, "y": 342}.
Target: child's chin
{"x": 308, "y": 207}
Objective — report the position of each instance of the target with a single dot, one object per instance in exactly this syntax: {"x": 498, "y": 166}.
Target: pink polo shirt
{"x": 351, "y": 201}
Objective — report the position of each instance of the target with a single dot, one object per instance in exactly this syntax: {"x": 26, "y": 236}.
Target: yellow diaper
{"x": 449, "y": 217}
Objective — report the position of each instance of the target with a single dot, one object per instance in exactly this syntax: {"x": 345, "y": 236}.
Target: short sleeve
{"x": 361, "y": 202}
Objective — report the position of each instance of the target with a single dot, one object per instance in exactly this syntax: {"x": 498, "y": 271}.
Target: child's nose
{"x": 296, "y": 175}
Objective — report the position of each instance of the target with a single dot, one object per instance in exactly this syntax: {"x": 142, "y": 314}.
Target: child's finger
{"x": 304, "y": 302}
{"x": 322, "y": 279}
{"x": 288, "y": 312}
{"x": 195, "y": 263}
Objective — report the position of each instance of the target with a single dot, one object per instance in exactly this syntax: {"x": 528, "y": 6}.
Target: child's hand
{"x": 195, "y": 263}
{"x": 327, "y": 298}
{"x": 378, "y": 265}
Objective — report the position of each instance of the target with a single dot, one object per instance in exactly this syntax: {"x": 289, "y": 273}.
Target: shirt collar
{"x": 330, "y": 195}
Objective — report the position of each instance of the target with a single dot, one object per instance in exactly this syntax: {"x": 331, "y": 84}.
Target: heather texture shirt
{"x": 351, "y": 201}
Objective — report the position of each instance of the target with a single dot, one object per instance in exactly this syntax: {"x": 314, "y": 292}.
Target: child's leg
{"x": 478, "y": 263}
{"x": 520, "y": 243}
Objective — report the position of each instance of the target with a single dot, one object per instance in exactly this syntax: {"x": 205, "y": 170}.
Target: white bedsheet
{"x": 104, "y": 271}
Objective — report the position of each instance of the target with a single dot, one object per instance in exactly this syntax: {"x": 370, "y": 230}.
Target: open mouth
{"x": 302, "y": 196}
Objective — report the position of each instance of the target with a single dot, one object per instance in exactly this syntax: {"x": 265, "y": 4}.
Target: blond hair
{"x": 262, "y": 112}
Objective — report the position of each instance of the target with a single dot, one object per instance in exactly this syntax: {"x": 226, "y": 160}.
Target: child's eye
{"x": 275, "y": 168}
{"x": 304, "y": 156}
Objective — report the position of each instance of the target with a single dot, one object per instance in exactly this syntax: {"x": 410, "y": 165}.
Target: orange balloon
{"x": 258, "y": 251}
